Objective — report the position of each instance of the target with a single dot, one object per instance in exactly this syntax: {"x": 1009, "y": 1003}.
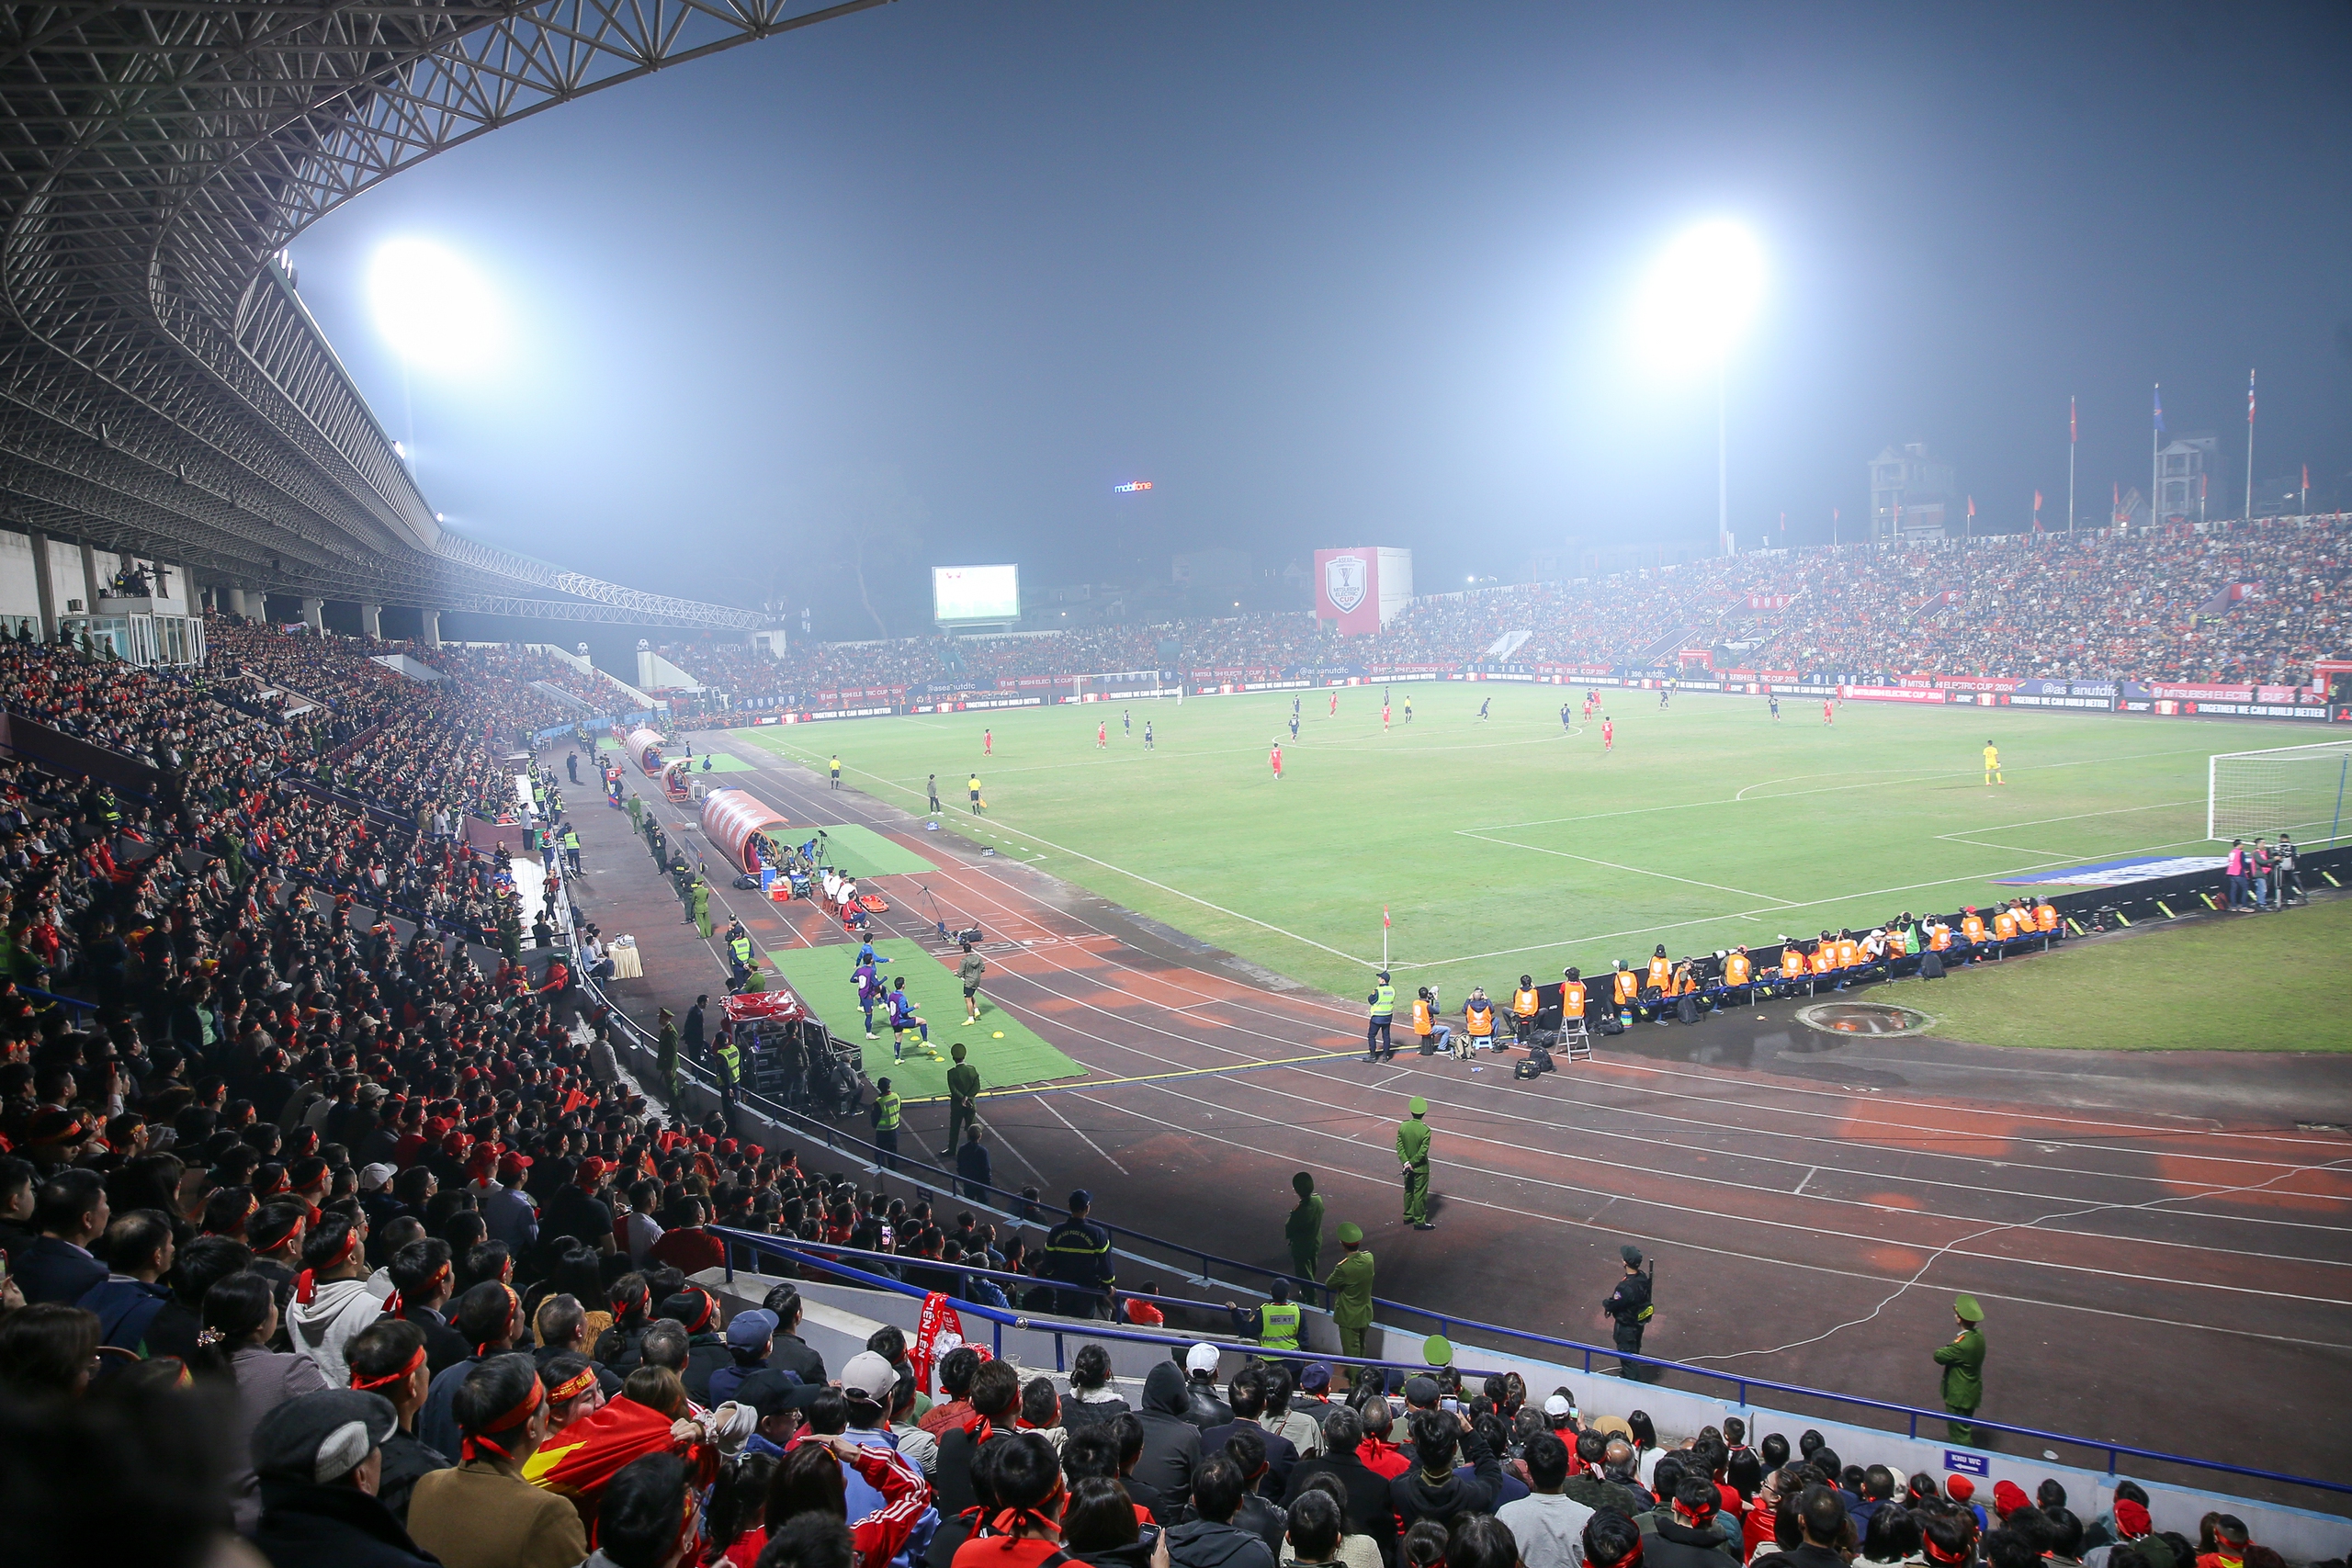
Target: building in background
{"x": 2189, "y": 479}
{"x": 1913, "y": 496}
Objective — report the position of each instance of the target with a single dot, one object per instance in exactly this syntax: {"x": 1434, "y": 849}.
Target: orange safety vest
{"x": 1629, "y": 985}
{"x": 1421, "y": 1022}
{"x": 2005, "y": 925}
{"x": 1894, "y": 945}
{"x": 1572, "y": 999}
{"x": 1522, "y": 1002}
{"x": 1973, "y": 927}
{"x": 1940, "y": 936}
{"x": 1661, "y": 973}
{"x": 1849, "y": 954}
{"x": 2046, "y": 917}
{"x": 1480, "y": 1019}
{"x": 1736, "y": 969}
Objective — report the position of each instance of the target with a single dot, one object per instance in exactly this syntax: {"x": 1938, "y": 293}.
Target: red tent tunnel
{"x": 645, "y": 746}
{"x": 734, "y": 818}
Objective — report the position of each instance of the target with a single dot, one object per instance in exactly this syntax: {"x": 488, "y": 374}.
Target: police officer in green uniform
{"x": 886, "y": 1114}
{"x": 1377, "y": 1046}
{"x": 1274, "y": 1325}
{"x": 1351, "y": 1286}
{"x": 636, "y": 815}
{"x": 665, "y": 1056}
{"x": 963, "y": 1099}
{"x": 1963, "y": 1364}
{"x": 1630, "y": 1308}
{"x": 1413, "y": 1155}
{"x": 1303, "y": 1230}
{"x": 702, "y": 908}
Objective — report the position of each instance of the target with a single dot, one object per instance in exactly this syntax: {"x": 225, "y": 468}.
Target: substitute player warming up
{"x": 1993, "y": 764}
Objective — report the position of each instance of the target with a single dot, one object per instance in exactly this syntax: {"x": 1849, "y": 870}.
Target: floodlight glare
{"x": 1699, "y": 295}
{"x": 432, "y": 307}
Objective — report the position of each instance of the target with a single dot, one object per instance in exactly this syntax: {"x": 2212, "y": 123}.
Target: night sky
{"x": 1360, "y": 274}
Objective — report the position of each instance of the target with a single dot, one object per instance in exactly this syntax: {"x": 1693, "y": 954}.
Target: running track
{"x": 2164, "y": 1256}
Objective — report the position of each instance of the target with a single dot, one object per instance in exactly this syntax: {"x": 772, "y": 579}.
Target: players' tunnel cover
{"x": 1862, "y": 1017}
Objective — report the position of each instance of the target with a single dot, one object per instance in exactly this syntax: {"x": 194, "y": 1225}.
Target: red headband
{"x": 478, "y": 1443}
{"x": 306, "y": 1283}
{"x": 573, "y": 1387}
{"x": 389, "y": 1379}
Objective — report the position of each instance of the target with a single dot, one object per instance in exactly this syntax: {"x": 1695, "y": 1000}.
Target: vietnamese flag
{"x": 578, "y": 1463}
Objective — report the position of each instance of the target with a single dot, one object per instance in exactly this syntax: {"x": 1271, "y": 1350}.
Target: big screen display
{"x": 975, "y": 593}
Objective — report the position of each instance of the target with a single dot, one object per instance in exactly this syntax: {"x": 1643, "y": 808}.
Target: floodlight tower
{"x": 1699, "y": 298}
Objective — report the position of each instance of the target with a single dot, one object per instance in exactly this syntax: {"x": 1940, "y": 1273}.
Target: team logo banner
{"x": 1346, "y": 589}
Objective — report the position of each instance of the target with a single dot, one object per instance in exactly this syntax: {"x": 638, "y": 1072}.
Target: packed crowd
{"x": 2100, "y": 605}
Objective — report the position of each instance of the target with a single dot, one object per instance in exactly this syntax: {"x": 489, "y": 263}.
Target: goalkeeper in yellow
{"x": 1993, "y": 764}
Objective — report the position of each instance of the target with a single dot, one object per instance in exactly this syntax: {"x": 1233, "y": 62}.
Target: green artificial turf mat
{"x": 821, "y": 976}
{"x": 859, "y": 851}
{"x": 720, "y": 762}
{"x": 2159, "y": 990}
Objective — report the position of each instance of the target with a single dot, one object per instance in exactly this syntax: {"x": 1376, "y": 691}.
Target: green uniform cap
{"x": 1437, "y": 1350}
{"x": 1418, "y": 1107}
{"x": 1350, "y": 1234}
{"x": 1968, "y": 1310}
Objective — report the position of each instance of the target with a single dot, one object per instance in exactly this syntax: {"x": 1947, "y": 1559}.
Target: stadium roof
{"x": 163, "y": 391}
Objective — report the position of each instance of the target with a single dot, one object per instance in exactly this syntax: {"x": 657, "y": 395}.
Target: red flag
{"x": 1384, "y": 917}
{"x": 938, "y": 1329}
{"x": 1972, "y": 506}
{"x": 2036, "y": 501}
{"x": 581, "y": 1460}
{"x": 1784, "y": 522}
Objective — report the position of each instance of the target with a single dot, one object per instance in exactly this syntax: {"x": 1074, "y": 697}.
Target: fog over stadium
{"x": 947, "y": 275}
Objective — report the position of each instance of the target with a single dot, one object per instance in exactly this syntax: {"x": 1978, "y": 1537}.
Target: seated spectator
{"x": 319, "y": 1459}
{"x": 1211, "y": 1539}
{"x": 483, "y": 1514}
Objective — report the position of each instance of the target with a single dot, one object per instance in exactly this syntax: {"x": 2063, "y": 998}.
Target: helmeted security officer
{"x": 1964, "y": 1363}
{"x": 1377, "y": 1046}
{"x": 738, "y": 952}
{"x": 1413, "y": 1155}
{"x": 1630, "y": 1308}
{"x": 887, "y": 1112}
{"x": 571, "y": 847}
{"x": 729, "y": 1062}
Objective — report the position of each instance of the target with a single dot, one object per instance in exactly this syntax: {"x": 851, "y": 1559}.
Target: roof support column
{"x": 43, "y": 590}
{"x": 432, "y": 631}
{"x": 89, "y": 579}
{"x": 314, "y": 615}
{"x": 371, "y": 621}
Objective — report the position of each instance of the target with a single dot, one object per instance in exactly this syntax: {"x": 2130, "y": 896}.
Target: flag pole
{"x": 2073, "y": 439}
{"x": 2249, "y": 446}
{"x": 2155, "y": 460}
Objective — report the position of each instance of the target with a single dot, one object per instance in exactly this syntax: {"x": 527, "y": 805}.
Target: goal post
{"x": 2287, "y": 789}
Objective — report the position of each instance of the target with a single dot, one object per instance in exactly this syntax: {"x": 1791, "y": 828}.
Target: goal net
{"x": 2288, "y": 789}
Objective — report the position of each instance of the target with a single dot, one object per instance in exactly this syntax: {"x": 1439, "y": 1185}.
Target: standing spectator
{"x": 1547, "y": 1524}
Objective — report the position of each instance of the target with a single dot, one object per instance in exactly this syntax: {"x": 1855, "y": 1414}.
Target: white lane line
{"x": 1082, "y": 1138}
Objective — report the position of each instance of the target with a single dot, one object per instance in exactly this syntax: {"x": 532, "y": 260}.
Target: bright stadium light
{"x": 1699, "y": 296}
{"x": 1698, "y": 299}
{"x": 434, "y": 309}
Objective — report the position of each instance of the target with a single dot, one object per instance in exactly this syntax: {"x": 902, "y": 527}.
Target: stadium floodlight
{"x": 434, "y": 309}
{"x": 1696, "y": 300}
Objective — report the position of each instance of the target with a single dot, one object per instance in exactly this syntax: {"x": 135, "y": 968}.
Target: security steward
{"x": 1630, "y": 1308}
{"x": 1078, "y": 1258}
{"x": 962, "y": 1098}
{"x": 1413, "y": 1155}
{"x": 738, "y": 954}
{"x": 1964, "y": 1363}
{"x": 729, "y": 1063}
{"x": 1274, "y": 1325}
{"x": 1524, "y": 1005}
{"x": 1378, "y": 1046}
{"x": 886, "y": 1112}
{"x": 571, "y": 847}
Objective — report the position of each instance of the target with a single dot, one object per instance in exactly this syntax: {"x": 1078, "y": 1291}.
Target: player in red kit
{"x": 1335, "y": 701}
{"x": 1384, "y": 718}
{"x": 1103, "y": 735}
{"x": 988, "y": 742}
{"x": 1608, "y": 735}
{"x": 1277, "y": 760}
{"x": 1828, "y": 715}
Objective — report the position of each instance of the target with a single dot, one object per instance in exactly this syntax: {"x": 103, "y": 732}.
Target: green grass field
{"x": 862, "y": 851}
{"x": 1508, "y": 847}
{"x": 822, "y": 974}
{"x": 2156, "y": 991}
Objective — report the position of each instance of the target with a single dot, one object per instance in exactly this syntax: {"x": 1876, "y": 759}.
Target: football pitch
{"x": 1515, "y": 845}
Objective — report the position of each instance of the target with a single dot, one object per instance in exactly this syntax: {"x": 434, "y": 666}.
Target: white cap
{"x": 374, "y": 1177}
{"x": 1201, "y": 1358}
{"x": 868, "y": 1374}
{"x": 1557, "y": 1405}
